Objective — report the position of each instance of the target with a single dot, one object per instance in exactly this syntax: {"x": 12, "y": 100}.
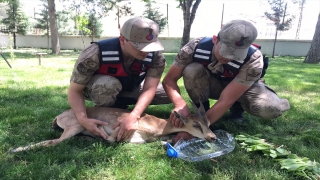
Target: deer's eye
{"x": 197, "y": 126}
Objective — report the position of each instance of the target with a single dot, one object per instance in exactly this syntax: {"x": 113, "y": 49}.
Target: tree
{"x": 100, "y": 7}
{"x": 82, "y": 26}
{"x": 95, "y": 9}
{"x": 189, "y": 13}
{"x": 3, "y": 7}
{"x": 16, "y": 22}
{"x": 278, "y": 16}
{"x": 64, "y": 24}
{"x": 43, "y": 22}
{"x": 123, "y": 10}
{"x": 95, "y": 26}
{"x": 155, "y": 15}
{"x": 313, "y": 55}
{"x": 301, "y": 4}
{"x": 53, "y": 27}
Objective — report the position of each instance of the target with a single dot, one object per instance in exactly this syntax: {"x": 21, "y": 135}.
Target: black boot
{"x": 236, "y": 113}
{"x": 206, "y": 105}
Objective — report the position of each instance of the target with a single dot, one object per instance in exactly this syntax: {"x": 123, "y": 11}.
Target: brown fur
{"x": 150, "y": 128}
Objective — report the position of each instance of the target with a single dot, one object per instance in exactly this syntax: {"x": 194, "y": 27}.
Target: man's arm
{"x": 227, "y": 98}
{"x": 129, "y": 124}
{"x": 147, "y": 95}
{"x": 76, "y": 101}
{"x": 172, "y": 90}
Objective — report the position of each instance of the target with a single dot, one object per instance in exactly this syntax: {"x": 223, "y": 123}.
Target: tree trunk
{"x": 53, "y": 27}
{"x": 313, "y": 55}
{"x": 188, "y": 18}
{"x": 14, "y": 40}
{"x": 48, "y": 36}
{"x": 82, "y": 36}
{"x": 274, "y": 43}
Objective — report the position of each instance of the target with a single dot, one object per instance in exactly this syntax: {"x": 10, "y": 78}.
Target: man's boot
{"x": 236, "y": 113}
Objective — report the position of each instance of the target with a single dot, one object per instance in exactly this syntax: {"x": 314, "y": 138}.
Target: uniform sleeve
{"x": 158, "y": 65}
{"x": 86, "y": 65}
{"x": 185, "y": 54}
{"x": 251, "y": 71}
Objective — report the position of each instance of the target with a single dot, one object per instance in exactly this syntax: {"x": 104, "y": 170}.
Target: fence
{"x": 172, "y": 44}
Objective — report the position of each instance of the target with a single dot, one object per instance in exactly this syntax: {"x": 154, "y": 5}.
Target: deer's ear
{"x": 198, "y": 111}
{"x": 201, "y": 110}
{"x": 184, "y": 120}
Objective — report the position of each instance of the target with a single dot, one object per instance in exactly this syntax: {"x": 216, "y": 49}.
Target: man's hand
{"x": 183, "y": 111}
{"x": 182, "y": 135}
{"x": 92, "y": 126}
{"x": 128, "y": 126}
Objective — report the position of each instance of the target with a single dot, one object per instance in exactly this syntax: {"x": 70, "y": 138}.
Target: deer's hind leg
{"x": 67, "y": 133}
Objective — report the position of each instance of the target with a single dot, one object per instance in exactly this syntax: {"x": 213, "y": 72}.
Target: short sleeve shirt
{"x": 89, "y": 62}
{"x": 248, "y": 74}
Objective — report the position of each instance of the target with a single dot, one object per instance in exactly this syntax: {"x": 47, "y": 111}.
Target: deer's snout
{"x": 211, "y": 137}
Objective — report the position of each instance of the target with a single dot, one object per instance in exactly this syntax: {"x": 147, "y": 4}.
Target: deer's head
{"x": 197, "y": 124}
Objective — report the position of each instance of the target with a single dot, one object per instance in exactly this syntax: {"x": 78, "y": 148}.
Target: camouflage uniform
{"x": 105, "y": 90}
{"x": 258, "y": 100}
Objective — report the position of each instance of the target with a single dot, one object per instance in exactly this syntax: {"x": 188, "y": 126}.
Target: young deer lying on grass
{"x": 150, "y": 128}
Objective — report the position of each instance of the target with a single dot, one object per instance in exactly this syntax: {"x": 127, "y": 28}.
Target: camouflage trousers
{"x": 259, "y": 100}
{"x": 104, "y": 90}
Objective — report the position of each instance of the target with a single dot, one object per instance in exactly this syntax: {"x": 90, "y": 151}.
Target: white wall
{"x": 283, "y": 47}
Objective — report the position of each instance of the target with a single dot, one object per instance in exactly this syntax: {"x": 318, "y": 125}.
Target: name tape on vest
{"x": 109, "y": 52}
{"x": 110, "y": 59}
{"x": 201, "y": 56}
{"x": 203, "y": 51}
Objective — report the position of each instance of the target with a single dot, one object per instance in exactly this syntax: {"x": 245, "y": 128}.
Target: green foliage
{"x": 82, "y": 25}
{"x": 124, "y": 10}
{"x": 300, "y": 166}
{"x": 3, "y": 7}
{"x": 65, "y": 26}
{"x": 279, "y": 15}
{"x": 43, "y": 22}
{"x": 95, "y": 26}
{"x": 155, "y": 15}
{"x": 94, "y": 11}
{"x": 100, "y": 8}
{"x": 63, "y": 20}
{"x": 17, "y": 21}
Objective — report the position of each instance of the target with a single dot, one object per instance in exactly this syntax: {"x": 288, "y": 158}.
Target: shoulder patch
{"x": 253, "y": 74}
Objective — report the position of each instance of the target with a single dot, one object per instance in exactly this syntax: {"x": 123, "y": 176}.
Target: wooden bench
{"x": 39, "y": 54}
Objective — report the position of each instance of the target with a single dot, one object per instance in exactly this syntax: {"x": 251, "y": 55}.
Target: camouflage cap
{"x": 142, "y": 33}
{"x": 235, "y": 39}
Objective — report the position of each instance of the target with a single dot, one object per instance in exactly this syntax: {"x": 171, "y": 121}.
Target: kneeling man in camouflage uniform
{"x": 227, "y": 68}
{"x": 118, "y": 72}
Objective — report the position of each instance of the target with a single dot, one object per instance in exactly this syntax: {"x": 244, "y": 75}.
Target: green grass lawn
{"x": 32, "y": 95}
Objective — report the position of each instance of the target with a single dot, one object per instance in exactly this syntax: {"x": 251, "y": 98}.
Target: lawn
{"x": 32, "y": 95}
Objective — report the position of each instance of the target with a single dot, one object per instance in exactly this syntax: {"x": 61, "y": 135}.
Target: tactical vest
{"x": 203, "y": 54}
{"x": 111, "y": 63}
